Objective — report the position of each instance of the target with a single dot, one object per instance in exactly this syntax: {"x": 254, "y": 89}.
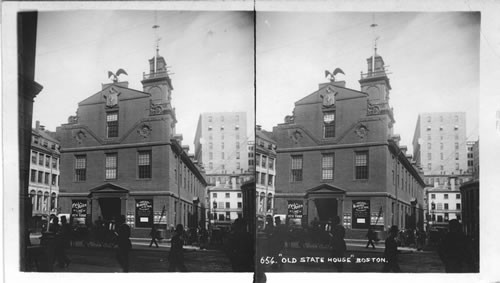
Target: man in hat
{"x": 176, "y": 256}
{"x": 391, "y": 251}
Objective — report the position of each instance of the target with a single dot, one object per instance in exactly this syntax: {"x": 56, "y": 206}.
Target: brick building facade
{"x": 337, "y": 156}
{"x": 120, "y": 156}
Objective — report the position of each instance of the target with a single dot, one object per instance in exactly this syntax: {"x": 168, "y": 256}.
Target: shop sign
{"x": 144, "y": 213}
{"x": 361, "y": 214}
{"x": 78, "y": 211}
{"x": 295, "y": 209}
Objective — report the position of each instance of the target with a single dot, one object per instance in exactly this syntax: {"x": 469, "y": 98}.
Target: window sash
{"x": 327, "y": 166}
{"x": 144, "y": 164}
{"x": 111, "y": 166}
{"x": 361, "y": 164}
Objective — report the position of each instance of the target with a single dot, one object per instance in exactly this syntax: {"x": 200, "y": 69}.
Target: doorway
{"x": 110, "y": 208}
{"x": 326, "y": 208}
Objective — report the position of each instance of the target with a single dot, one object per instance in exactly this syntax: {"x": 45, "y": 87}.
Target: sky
{"x": 210, "y": 54}
{"x": 432, "y": 58}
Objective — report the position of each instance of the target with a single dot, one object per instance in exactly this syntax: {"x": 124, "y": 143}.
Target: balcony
{"x": 161, "y": 74}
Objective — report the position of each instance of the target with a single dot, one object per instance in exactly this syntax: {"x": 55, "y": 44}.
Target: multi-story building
{"x": 121, "y": 156}
{"x": 439, "y": 143}
{"x": 265, "y": 172}
{"x": 251, "y": 155}
{"x": 44, "y": 175}
{"x": 225, "y": 202}
{"x": 337, "y": 156}
{"x": 221, "y": 142}
{"x": 443, "y": 198}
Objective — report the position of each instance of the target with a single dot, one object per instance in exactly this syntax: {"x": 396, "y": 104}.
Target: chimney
{"x": 258, "y": 127}
{"x": 42, "y": 128}
{"x": 37, "y": 127}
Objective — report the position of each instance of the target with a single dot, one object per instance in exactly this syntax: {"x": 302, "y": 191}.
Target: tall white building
{"x": 221, "y": 142}
{"x": 440, "y": 143}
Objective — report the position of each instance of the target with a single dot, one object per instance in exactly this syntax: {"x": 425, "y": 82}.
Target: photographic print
{"x": 373, "y": 123}
{"x": 140, "y": 119}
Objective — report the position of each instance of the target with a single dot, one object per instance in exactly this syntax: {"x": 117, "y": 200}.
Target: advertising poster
{"x": 361, "y": 214}
{"x": 144, "y": 213}
{"x": 79, "y": 211}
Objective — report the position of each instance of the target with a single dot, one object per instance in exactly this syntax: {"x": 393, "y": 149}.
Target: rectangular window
{"x": 257, "y": 159}
{"x": 47, "y": 177}
{"x": 262, "y": 178}
{"x": 429, "y": 156}
{"x": 458, "y": 206}
{"x": 429, "y": 166}
{"x": 221, "y": 145}
{"x": 327, "y": 166}
{"x": 264, "y": 161}
{"x": 40, "y": 177}
{"x": 271, "y": 163}
{"x": 228, "y": 205}
{"x": 227, "y": 195}
{"x": 228, "y": 215}
{"x": 456, "y": 156}
{"x": 40, "y": 159}
{"x": 237, "y": 155}
{"x": 112, "y": 124}
{"x": 111, "y": 166}
{"x": 240, "y": 205}
{"x": 429, "y": 146}
{"x": 210, "y": 119}
{"x": 33, "y": 175}
{"x": 237, "y": 145}
{"x": 34, "y": 156}
{"x": 54, "y": 179}
{"x": 80, "y": 168}
{"x": 361, "y": 165}
{"x": 433, "y": 196}
{"x": 329, "y": 124}
{"x": 54, "y": 163}
{"x": 458, "y": 196}
{"x": 144, "y": 164}
{"x": 445, "y": 206}
{"x": 456, "y": 146}
{"x": 445, "y": 196}
{"x": 270, "y": 180}
{"x": 296, "y": 175}
{"x": 47, "y": 161}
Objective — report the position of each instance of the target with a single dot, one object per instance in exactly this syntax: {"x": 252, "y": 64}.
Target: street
{"x": 142, "y": 258}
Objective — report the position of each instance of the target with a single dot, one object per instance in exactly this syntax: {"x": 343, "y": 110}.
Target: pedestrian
{"x": 337, "y": 242}
{"x": 176, "y": 256}
{"x": 154, "y": 235}
{"x": 420, "y": 239}
{"x": 391, "y": 251}
{"x": 455, "y": 250}
{"x": 63, "y": 239}
{"x": 241, "y": 246}
{"x": 124, "y": 244}
{"x": 372, "y": 237}
{"x": 277, "y": 242}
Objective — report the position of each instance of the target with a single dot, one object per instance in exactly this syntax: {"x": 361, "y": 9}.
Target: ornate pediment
{"x": 325, "y": 189}
{"x": 109, "y": 188}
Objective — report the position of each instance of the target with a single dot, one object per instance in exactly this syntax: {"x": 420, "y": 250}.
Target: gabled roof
{"x": 315, "y": 97}
{"x": 124, "y": 93}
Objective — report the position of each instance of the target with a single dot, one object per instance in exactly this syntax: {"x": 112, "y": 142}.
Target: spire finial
{"x": 156, "y": 27}
{"x": 375, "y": 38}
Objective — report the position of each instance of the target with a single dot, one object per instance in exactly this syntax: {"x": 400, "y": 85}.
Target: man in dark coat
{"x": 124, "y": 244}
{"x": 391, "y": 251}
{"x": 455, "y": 250}
{"x": 176, "y": 256}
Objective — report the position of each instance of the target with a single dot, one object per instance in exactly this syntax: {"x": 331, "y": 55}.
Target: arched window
{"x": 45, "y": 201}
{"x": 269, "y": 206}
{"x": 53, "y": 201}
{"x": 39, "y": 200}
